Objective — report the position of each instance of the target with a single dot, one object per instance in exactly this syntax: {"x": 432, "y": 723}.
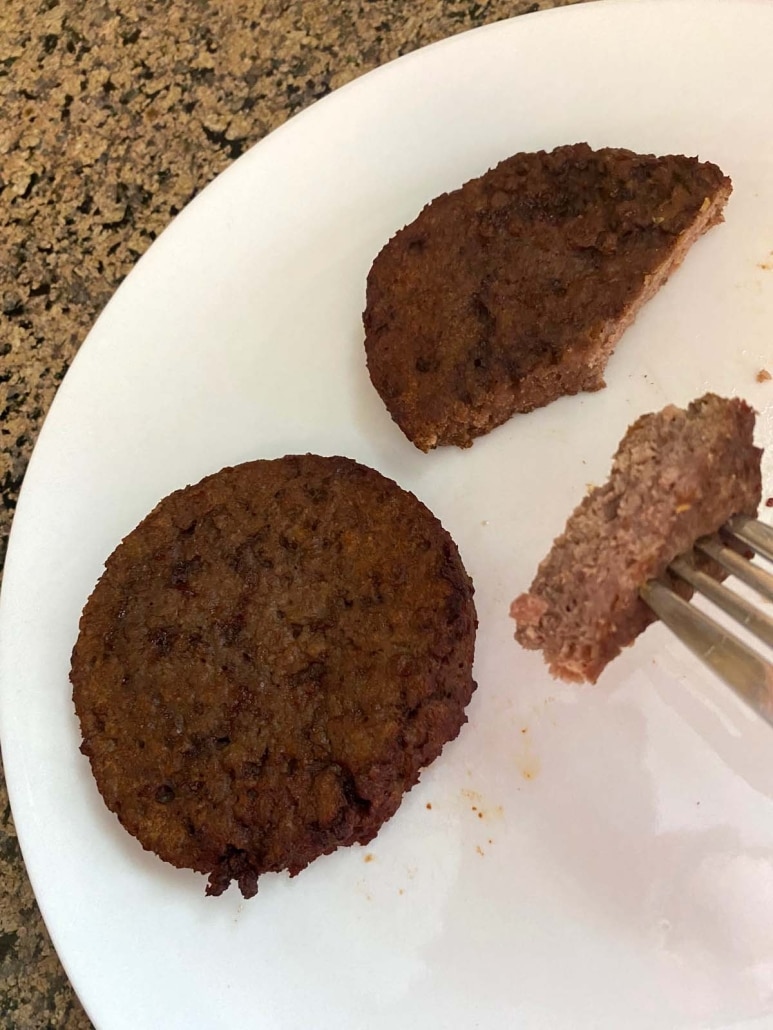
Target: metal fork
{"x": 749, "y": 673}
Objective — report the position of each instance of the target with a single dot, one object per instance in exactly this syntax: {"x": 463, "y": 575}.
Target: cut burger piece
{"x": 514, "y": 290}
{"x": 677, "y": 475}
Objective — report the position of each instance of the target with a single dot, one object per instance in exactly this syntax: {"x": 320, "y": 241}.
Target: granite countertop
{"x": 114, "y": 117}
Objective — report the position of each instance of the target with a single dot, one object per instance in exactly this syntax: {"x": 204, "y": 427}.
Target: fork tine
{"x": 740, "y": 609}
{"x": 752, "y": 575}
{"x": 754, "y": 534}
{"x": 739, "y": 666}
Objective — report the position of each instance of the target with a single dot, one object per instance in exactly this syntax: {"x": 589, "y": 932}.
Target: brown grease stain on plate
{"x": 479, "y": 808}
{"x": 526, "y": 759}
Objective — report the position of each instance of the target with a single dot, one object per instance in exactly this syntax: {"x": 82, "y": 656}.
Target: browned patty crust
{"x": 513, "y": 290}
{"x": 677, "y": 475}
{"x": 268, "y": 661}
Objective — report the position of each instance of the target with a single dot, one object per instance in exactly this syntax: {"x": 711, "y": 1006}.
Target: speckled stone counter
{"x": 114, "y": 116}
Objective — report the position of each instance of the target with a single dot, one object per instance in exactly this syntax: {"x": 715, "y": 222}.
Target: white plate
{"x": 592, "y": 857}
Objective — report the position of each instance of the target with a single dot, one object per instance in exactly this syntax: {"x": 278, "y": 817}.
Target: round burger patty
{"x": 268, "y": 661}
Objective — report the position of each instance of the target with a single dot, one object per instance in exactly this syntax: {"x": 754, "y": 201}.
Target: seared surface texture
{"x": 677, "y": 475}
{"x": 267, "y": 663}
{"x": 514, "y": 289}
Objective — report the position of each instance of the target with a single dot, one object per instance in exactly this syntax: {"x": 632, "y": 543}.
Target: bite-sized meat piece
{"x": 677, "y": 475}
{"x": 267, "y": 663}
{"x": 513, "y": 290}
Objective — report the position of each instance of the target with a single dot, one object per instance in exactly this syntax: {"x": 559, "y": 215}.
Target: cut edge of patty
{"x": 677, "y": 475}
